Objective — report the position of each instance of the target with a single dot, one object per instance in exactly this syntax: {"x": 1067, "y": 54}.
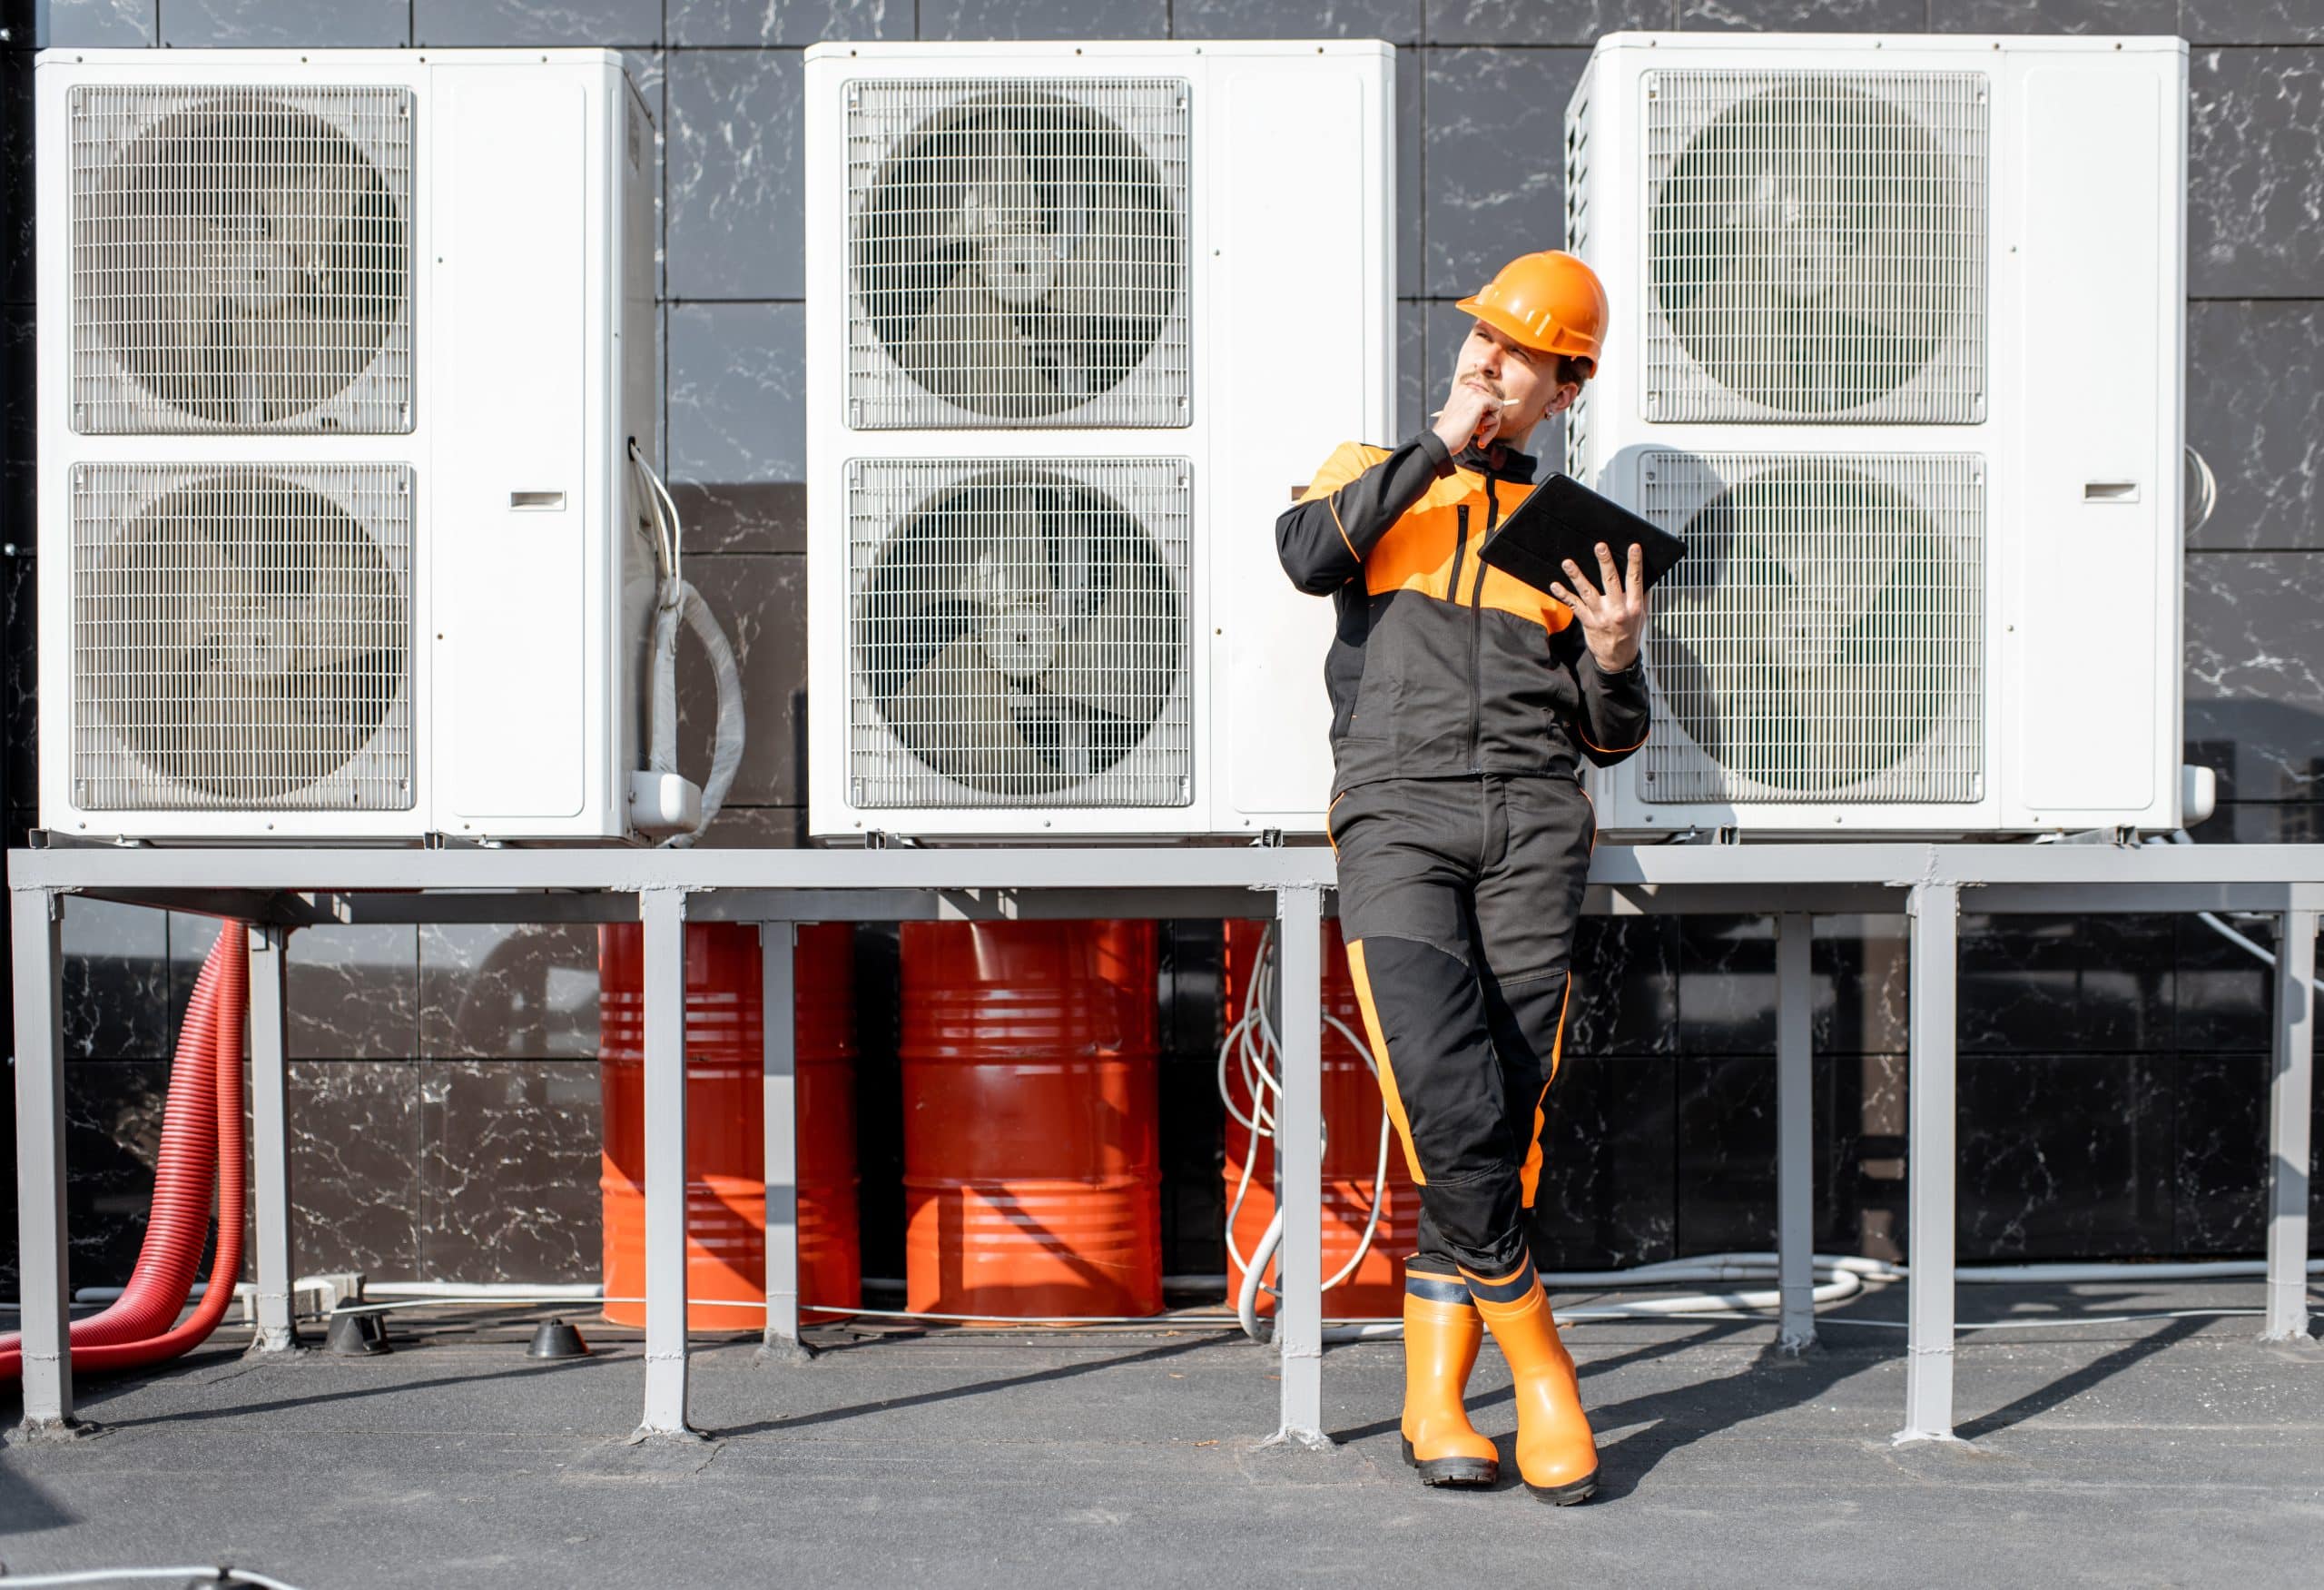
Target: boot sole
{"x": 1566, "y": 1496}
{"x": 1462, "y": 1472}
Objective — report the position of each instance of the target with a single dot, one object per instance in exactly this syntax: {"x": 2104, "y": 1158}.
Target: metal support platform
{"x": 280, "y": 891}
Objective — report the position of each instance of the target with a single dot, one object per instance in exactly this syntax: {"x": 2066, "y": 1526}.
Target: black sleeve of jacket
{"x": 1616, "y": 710}
{"x": 1323, "y": 539}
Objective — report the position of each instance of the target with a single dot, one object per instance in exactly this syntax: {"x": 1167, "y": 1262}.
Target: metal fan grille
{"x": 1816, "y": 246}
{"x": 1017, "y": 253}
{"x": 1018, "y": 633}
{"x": 1576, "y": 433}
{"x": 242, "y": 259}
{"x": 1823, "y": 640}
{"x": 241, "y": 637}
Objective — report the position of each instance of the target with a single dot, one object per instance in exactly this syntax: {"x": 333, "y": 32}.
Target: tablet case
{"x": 1562, "y": 519}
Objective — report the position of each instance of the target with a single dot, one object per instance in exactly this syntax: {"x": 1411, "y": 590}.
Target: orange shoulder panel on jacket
{"x": 1348, "y": 460}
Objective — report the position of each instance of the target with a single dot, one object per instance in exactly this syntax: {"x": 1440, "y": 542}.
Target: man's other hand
{"x": 1613, "y": 611}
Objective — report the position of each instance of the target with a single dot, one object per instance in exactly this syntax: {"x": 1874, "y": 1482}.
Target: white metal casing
{"x": 533, "y": 346}
{"x": 2079, "y": 442}
{"x": 1291, "y": 290}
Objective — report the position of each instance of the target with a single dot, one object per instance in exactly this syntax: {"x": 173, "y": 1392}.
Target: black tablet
{"x": 1562, "y": 519}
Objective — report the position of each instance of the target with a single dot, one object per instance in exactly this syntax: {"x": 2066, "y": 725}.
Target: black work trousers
{"x": 1458, "y": 899}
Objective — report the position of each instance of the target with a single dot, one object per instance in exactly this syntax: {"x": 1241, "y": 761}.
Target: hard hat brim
{"x": 1510, "y": 326}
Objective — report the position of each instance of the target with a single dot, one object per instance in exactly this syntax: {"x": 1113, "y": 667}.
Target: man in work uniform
{"x": 1461, "y": 701}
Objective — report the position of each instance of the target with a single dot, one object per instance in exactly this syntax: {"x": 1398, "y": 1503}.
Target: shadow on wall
{"x": 745, "y": 551}
{"x": 2260, "y": 750}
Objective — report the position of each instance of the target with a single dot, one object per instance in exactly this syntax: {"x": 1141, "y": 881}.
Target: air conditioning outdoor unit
{"x": 340, "y": 355}
{"x": 1075, "y": 340}
{"x": 1898, "y": 344}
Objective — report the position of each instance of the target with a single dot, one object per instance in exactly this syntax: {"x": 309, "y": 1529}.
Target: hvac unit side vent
{"x": 1576, "y": 431}
{"x": 1017, "y": 253}
{"x": 1824, "y": 637}
{"x": 1816, "y": 246}
{"x": 242, "y": 259}
{"x": 1018, "y": 633}
{"x": 241, "y": 637}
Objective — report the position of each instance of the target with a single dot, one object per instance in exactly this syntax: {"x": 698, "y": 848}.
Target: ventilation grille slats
{"x": 242, "y": 259}
{"x": 1816, "y": 246}
{"x": 1016, "y": 253}
{"x": 1018, "y": 633}
{"x": 1823, "y": 640}
{"x": 1576, "y": 431}
{"x": 241, "y": 637}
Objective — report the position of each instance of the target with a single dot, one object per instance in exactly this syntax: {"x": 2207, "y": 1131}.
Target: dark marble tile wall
{"x": 2113, "y": 1070}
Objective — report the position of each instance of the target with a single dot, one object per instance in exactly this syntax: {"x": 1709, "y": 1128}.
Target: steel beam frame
{"x": 663, "y": 913}
{"x": 281, "y": 890}
{"x": 270, "y": 1189}
{"x": 779, "y": 1125}
{"x": 1935, "y": 914}
{"x": 2291, "y": 1096}
{"x": 36, "y": 918}
{"x": 1794, "y": 1117}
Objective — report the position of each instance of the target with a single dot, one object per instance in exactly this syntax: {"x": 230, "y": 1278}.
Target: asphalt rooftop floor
{"x": 2154, "y": 1451}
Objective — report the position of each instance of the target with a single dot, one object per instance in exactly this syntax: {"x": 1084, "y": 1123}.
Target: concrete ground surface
{"x": 2153, "y": 1451}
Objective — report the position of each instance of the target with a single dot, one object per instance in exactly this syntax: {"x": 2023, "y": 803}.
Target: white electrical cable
{"x": 2181, "y": 836}
{"x": 677, "y": 602}
{"x": 1252, "y": 1041}
{"x": 579, "y": 1291}
{"x": 651, "y": 496}
{"x": 2206, "y": 488}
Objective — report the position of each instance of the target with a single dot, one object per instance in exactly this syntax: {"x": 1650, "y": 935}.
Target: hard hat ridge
{"x": 1550, "y": 301}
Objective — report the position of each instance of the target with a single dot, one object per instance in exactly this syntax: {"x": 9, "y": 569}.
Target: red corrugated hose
{"x": 201, "y": 1138}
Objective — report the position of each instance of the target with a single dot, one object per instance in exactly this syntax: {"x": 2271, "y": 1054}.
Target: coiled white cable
{"x": 1252, "y": 1042}
{"x": 677, "y": 602}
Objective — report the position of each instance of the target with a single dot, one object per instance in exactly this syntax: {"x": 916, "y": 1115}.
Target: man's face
{"x": 1507, "y": 369}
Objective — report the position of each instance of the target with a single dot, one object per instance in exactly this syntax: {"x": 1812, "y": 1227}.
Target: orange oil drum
{"x": 1032, "y": 1179}
{"x": 725, "y": 1145}
{"x": 1351, "y": 1116}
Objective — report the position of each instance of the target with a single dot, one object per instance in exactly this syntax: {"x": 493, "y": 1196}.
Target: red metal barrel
{"x": 725, "y": 1145}
{"x": 1351, "y": 1116}
{"x": 1032, "y": 1181}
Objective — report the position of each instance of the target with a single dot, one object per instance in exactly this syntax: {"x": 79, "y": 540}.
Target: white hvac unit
{"x": 1084, "y": 318}
{"x": 1896, "y": 347}
{"x": 340, "y": 355}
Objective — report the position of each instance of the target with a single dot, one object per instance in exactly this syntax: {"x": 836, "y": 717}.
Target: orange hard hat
{"x": 1550, "y": 301}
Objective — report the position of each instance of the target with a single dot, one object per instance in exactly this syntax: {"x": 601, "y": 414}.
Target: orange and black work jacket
{"x": 1442, "y": 665}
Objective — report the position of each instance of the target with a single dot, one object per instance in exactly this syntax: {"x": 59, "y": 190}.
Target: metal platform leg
{"x": 1935, "y": 910}
{"x": 35, "y": 917}
{"x": 778, "y": 965}
{"x": 1795, "y": 1104}
{"x": 663, "y": 913}
{"x": 2290, "y": 1092}
{"x": 271, "y": 1140}
{"x": 1299, "y": 1268}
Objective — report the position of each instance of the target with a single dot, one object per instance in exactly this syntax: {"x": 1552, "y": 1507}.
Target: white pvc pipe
{"x": 578, "y": 1291}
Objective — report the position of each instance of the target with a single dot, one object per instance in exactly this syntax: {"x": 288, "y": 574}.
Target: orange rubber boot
{"x": 1556, "y": 1455}
{"x": 1441, "y": 1335}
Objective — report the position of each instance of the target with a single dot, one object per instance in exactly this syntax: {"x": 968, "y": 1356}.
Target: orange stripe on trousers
{"x": 1388, "y": 1094}
{"x": 1531, "y": 1176}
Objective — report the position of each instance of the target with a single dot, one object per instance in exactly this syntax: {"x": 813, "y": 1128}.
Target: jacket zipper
{"x": 1476, "y": 625}
{"x": 1460, "y": 546}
